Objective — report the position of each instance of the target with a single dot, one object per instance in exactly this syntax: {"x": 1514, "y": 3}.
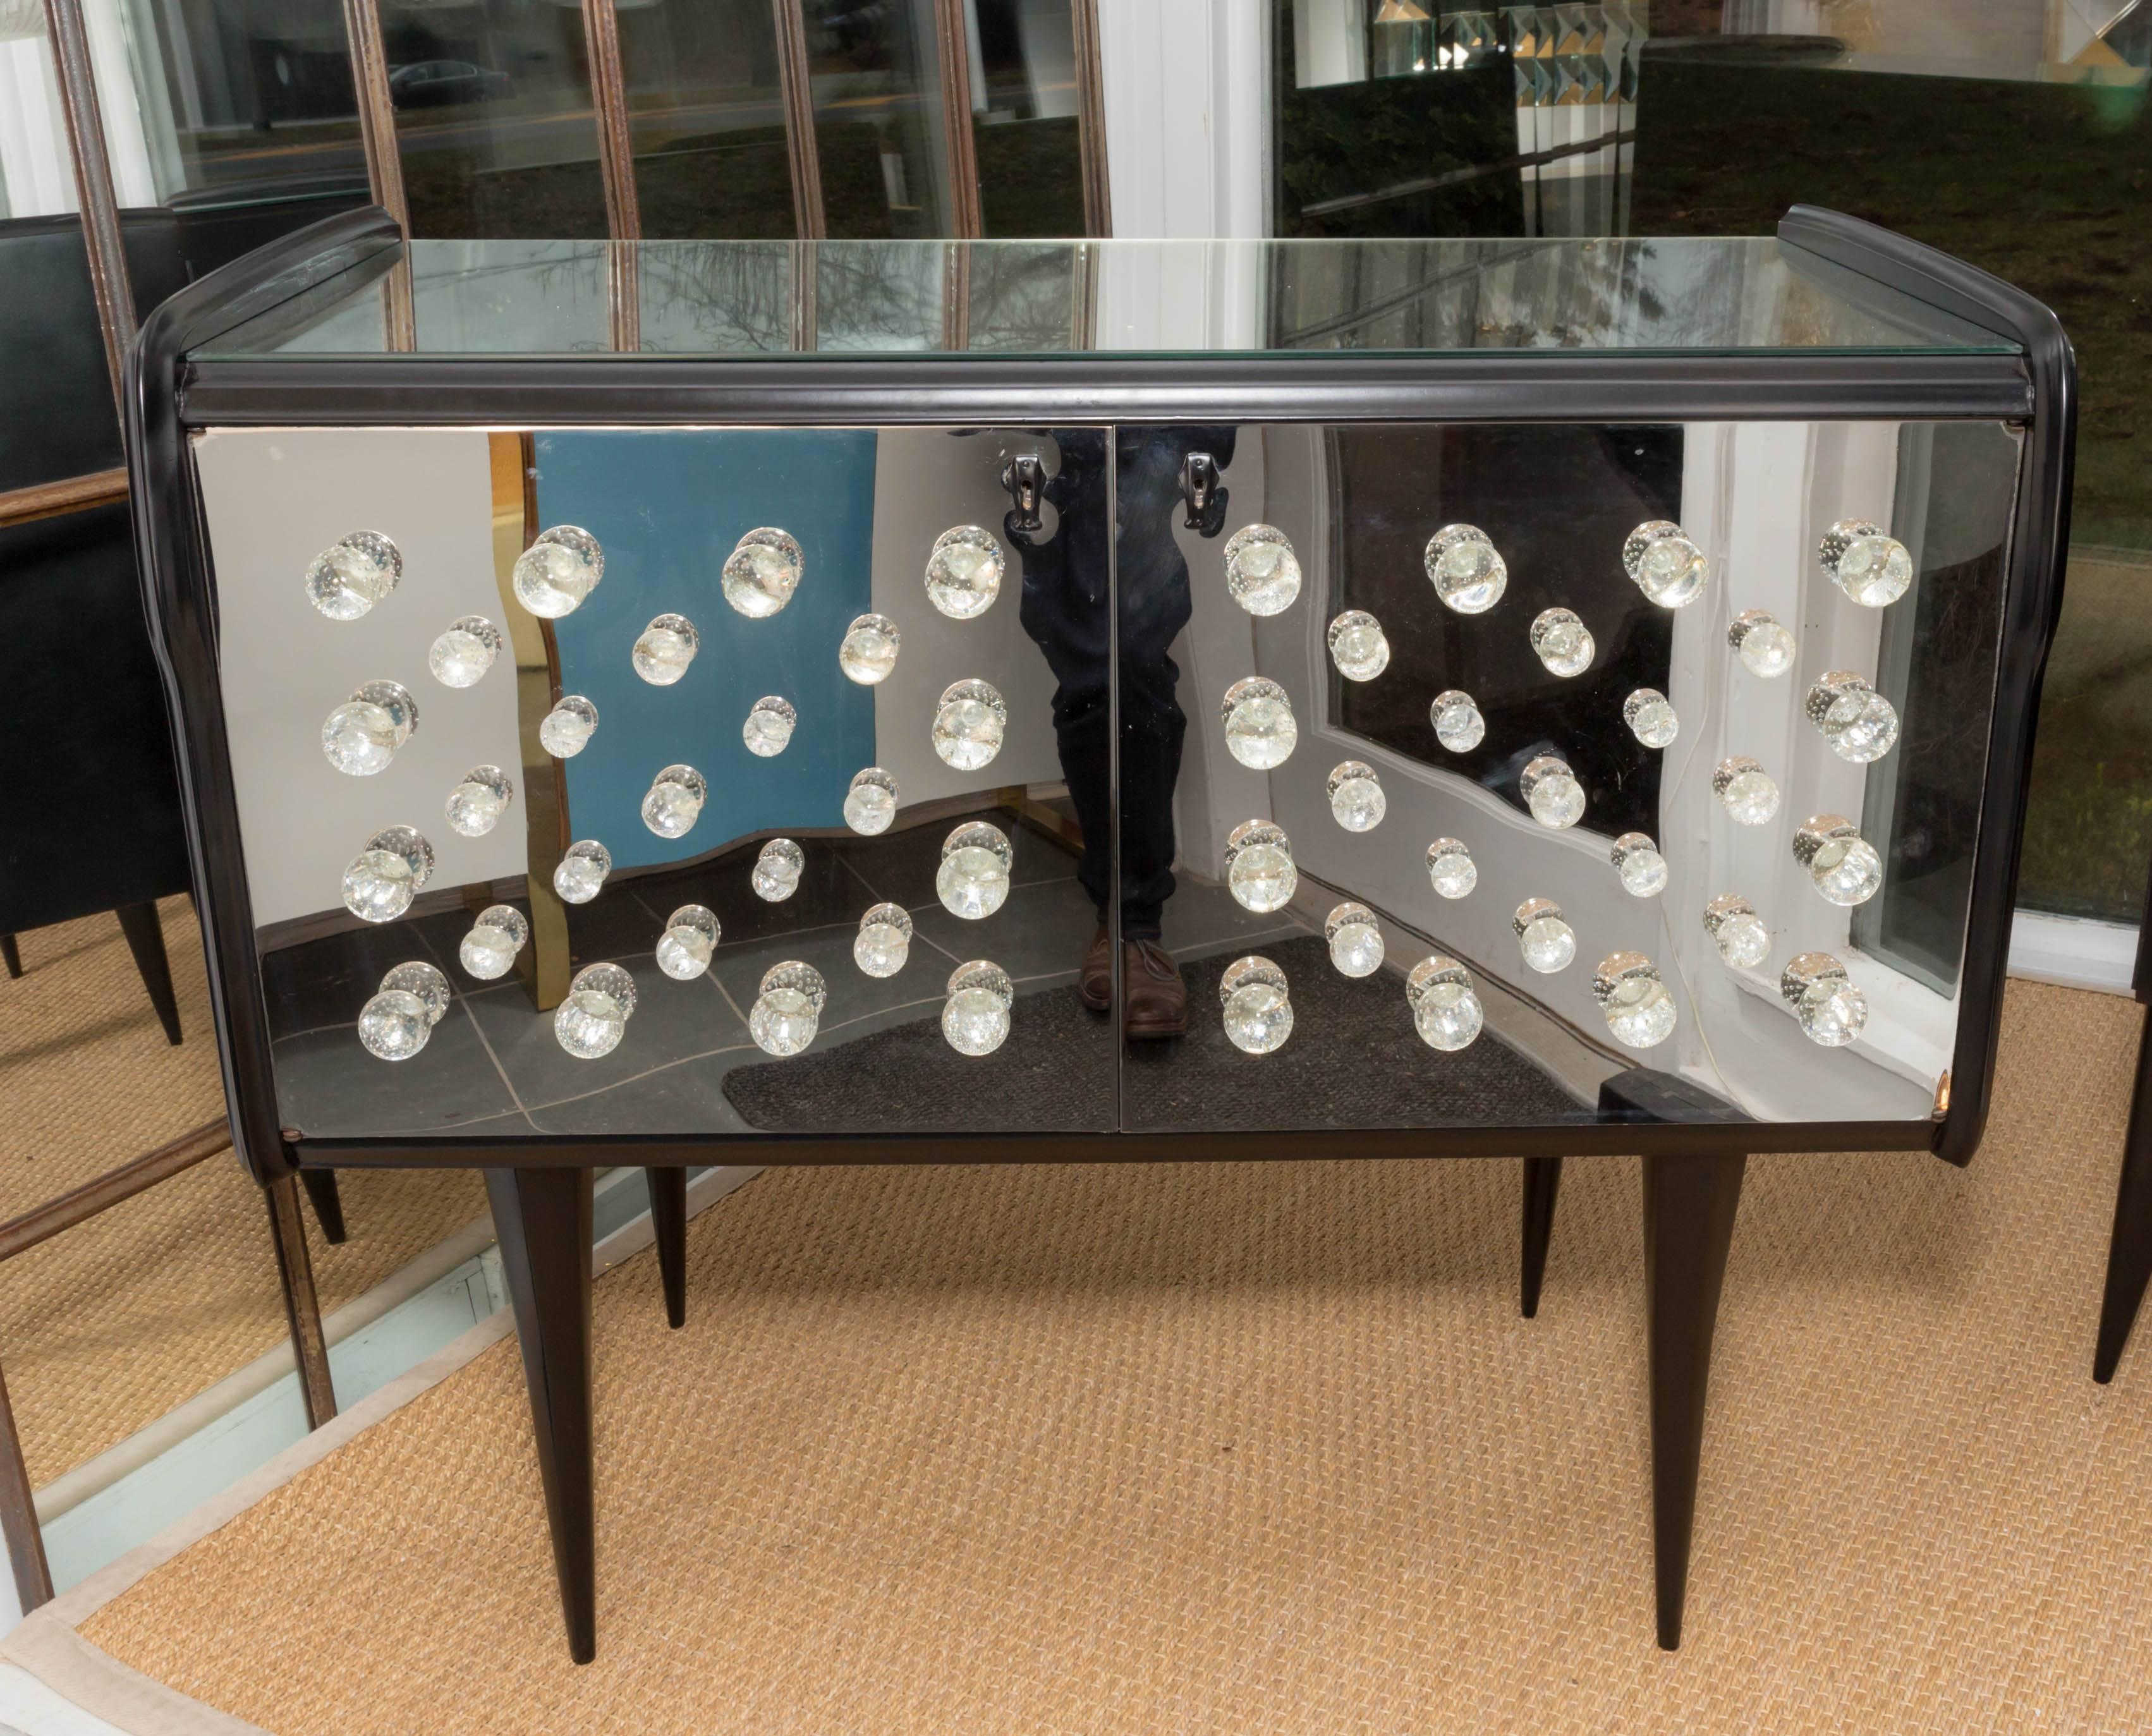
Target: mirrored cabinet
{"x": 1438, "y": 698}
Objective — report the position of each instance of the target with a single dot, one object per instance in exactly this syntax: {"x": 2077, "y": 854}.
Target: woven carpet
{"x": 1353, "y": 1060}
{"x": 1261, "y": 1448}
{"x": 107, "y": 1327}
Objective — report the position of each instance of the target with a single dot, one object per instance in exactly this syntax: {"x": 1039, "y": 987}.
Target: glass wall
{"x": 876, "y": 78}
{"x": 493, "y": 118}
{"x": 706, "y": 109}
{"x": 1024, "y": 128}
{"x": 2014, "y": 133}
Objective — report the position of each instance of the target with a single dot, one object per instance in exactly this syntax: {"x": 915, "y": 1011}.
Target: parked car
{"x": 434, "y": 83}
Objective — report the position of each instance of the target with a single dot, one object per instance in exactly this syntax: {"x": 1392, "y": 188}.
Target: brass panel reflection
{"x": 543, "y": 965}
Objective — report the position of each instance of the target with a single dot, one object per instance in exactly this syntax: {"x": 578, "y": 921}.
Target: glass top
{"x": 770, "y": 300}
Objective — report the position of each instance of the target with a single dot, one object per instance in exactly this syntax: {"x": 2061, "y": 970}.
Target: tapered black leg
{"x": 2129, "y": 1248}
{"x": 322, "y": 1195}
{"x": 146, "y": 939}
{"x": 1689, "y": 1204}
{"x": 669, "y": 1220}
{"x": 543, "y": 1219}
{"x": 12, "y": 953}
{"x": 1542, "y": 1180}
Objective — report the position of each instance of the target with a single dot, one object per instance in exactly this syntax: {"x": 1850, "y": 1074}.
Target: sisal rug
{"x": 108, "y": 1326}
{"x": 1246, "y": 1447}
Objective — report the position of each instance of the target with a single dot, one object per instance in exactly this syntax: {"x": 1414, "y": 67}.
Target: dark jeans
{"x": 1065, "y": 610}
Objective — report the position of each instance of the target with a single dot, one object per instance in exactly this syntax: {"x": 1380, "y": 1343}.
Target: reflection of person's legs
{"x": 1065, "y": 610}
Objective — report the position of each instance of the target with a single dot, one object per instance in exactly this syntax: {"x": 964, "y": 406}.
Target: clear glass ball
{"x": 1746, "y": 791}
{"x": 1551, "y": 792}
{"x": 1831, "y": 1010}
{"x": 1638, "y": 1005}
{"x": 869, "y": 651}
{"x": 1258, "y": 1011}
{"x": 1544, "y": 936}
{"x": 394, "y": 1026}
{"x": 426, "y": 981}
{"x": 582, "y": 871}
{"x": 762, "y": 572}
{"x": 674, "y": 800}
{"x": 345, "y": 581}
{"x": 474, "y": 806}
{"x": 975, "y": 1019}
{"x": 1741, "y": 936}
{"x": 973, "y": 879}
{"x": 769, "y": 727}
{"x": 1466, "y": 572}
{"x": 1260, "y": 870}
{"x": 465, "y": 652}
{"x": 1356, "y": 801}
{"x": 689, "y": 942}
{"x": 566, "y": 730}
{"x": 1765, "y": 645}
{"x": 1355, "y": 940}
{"x": 964, "y": 572}
{"x": 1650, "y": 716}
{"x": 360, "y": 738}
{"x": 1450, "y": 868}
{"x": 1642, "y": 869}
{"x": 1262, "y": 572}
{"x": 883, "y": 942}
{"x": 1357, "y": 646}
{"x": 1872, "y": 568}
{"x": 788, "y": 1011}
{"x": 664, "y": 649}
{"x": 777, "y": 870}
{"x": 870, "y": 802}
{"x": 1260, "y": 730}
{"x": 1844, "y": 865}
{"x": 589, "y": 1022}
{"x": 1446, "y": 1010}
{"x": 970, "y": 721}
{"x": 553, "y": 575}
{"x": 1858, "y": 723}
{"x": 1449, "y": 1017}
{"x": 1457, "y": 724}
{"x": 1667, "y": 568}
{"x": 1563, "y": 643}
{"x": 379, "y": 885}
{"x": 488, "y": 951}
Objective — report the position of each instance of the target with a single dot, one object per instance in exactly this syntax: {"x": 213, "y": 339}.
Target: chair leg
{"x": 19, "y": 1517}
{"x": 2130, "y": 1248}
{"x": 303, "y": 1305}
{"x": 12, "y": 953}
{"x": 543, "y": 1217}
{"x": 1542, "y": 1181}
{"x": 146, "y": 939}
{"x": 327, "y": 1199}
{"x": 1690, "y": 1206}
{"x": 669, "y": 1220}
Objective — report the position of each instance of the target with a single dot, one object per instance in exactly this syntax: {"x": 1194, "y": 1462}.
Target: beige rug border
{"x": 46, "y": 1643}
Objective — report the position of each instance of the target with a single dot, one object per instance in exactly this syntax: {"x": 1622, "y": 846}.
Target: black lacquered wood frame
{"x": 540, "y": 1184}
{"x": 168, "y": 395}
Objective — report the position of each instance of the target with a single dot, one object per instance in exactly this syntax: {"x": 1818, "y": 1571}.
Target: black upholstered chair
{"x": 89, "y": 807}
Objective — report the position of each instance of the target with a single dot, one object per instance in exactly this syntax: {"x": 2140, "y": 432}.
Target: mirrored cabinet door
{"x": 1533, "y": 774}
{"x": 681, "y": 781}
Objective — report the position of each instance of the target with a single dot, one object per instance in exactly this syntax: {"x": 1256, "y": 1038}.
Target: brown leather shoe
{"x": 1094, "y": 979}
{"x": 1156, "y": 997}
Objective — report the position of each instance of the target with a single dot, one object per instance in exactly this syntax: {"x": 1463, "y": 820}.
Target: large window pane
{"x": 2010, "y": 133}
{"x": 1024, "y": 131}
{"x": 493, "y": 118}
{"x": 708, "y": 115}
{"x": 878, "y": 131}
